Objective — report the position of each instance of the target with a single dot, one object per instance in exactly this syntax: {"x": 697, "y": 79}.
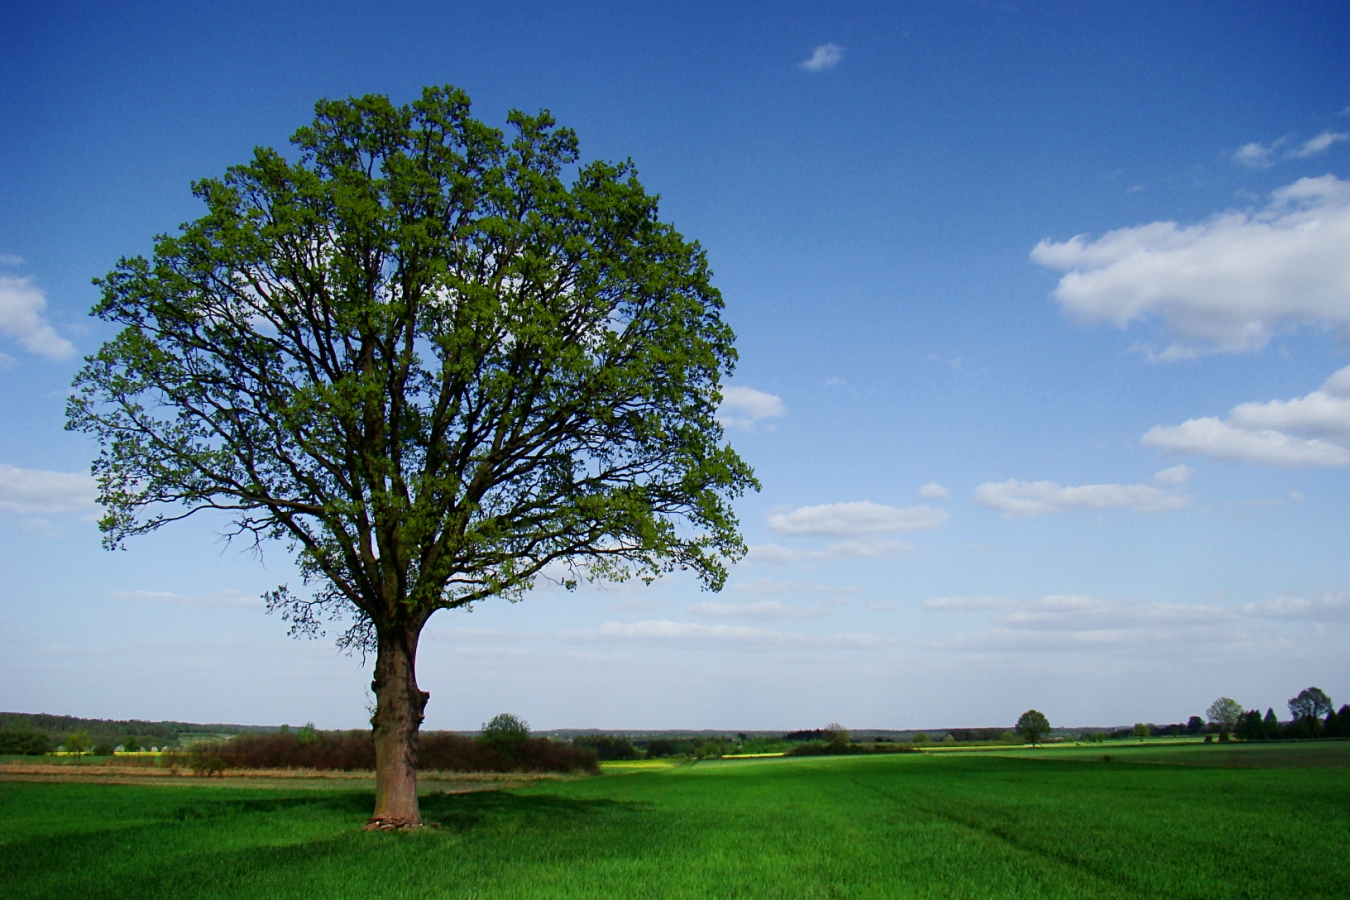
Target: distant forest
{"x": 116, "y": 731}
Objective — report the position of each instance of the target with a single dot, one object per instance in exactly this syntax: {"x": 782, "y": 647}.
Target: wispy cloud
{"x": 226, "y": 598}
{"x": 1224, "y": 285}
{"x": 934, "y": 491}
{"x": 35, "y": 491}
{"x": 1314, "y": 146}
{"x": 869, "y": 548}
{"x": 23, "y": 319}
{"x": 1256, "y": 155}
{"x": 826, "y": 56}
{"x": 1025, "y": 499}
{"x": 856, "y": 518}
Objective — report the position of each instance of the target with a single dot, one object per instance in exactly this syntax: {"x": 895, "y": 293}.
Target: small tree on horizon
{"x": 77, "y": 742}
{"x": 1309, "y": 707}
{"x": 1141, "y": 731}
{"x": 1032, "y": 725}
{"x": 1224, "y": 714}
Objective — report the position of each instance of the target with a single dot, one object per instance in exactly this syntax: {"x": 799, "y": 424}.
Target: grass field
{"x": 1053, "y": 823}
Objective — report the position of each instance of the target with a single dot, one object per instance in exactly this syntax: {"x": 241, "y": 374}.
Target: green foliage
{"x": 505, "y": 732}
{"x": 1224, "y": 714}
{"x": 307, "y": 734}
{"x": 920, "y": 738}
{"x": 836, "y": 735}
{"x": 610, "y": 747}
{"x": 102, "y": 750}
{"x": 1309, "y": 707}
{"x": 428, "y": 363}
{"x": 866, "y": 828}
{"x": 131, "y": 744}
{"x": 23, "y": 743}
{"x": 78, "y": 742}
{"x": 1141, "y": 730}
{"x": 1033, "y": 725}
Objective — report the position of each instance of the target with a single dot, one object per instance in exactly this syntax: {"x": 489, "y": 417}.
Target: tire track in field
{"x": 1111, "y": 877}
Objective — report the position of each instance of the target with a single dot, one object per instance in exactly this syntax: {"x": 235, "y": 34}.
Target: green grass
{"x": 913, "y": 825}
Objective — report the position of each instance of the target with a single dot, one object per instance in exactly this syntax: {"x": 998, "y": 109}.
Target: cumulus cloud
{"x": 1326, "y": 607}
{"x": 854, "y": 519}
{"x": 1227, "y": 284}
{"x": 826, "y": 56}
{"x": 22, "y": 318}
{"x": 934, "y": 491}
{"x": 35, "y": 491}
{"x": 695, "y": 634}
{"x": 1306, "y": 432}
{"x": 1024, "y": 499}
{"x": 744, "y": 407}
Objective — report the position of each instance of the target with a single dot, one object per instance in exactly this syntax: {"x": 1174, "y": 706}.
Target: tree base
{"x": 394, "y": 823}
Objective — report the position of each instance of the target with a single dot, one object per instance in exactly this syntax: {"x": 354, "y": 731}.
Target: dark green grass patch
{"x": 857, "y": 827}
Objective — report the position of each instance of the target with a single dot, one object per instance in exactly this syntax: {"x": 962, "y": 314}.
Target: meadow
{"x": 1164, "y": 821}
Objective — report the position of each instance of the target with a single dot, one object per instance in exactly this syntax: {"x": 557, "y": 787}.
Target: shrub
{"x": 660, "y": 748}
{"x": 131, "y": 745}
{"x": 103, "y": 750}
{"x": 507, "y": 733}
{"x": 349, "y": 751}
{"x": 77, "y": 742}
{"x": 25, "y": 743}
{"x": 606, "y": 746}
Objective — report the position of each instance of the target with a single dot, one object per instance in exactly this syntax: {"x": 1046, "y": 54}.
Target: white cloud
{"x": 934, "y": 491}
{"x": 22, "y": 308}
{"x": 9, "y": 259}
{"x": 1023, "y": 499}
{"x": 7, "y": 362}
{"x": 744, "y": 407}
{"x": 826, "y": 56}
{"x": 1308, "y": 431}
{"x": 1226, "y": 284}
{"x": 665, "y": 631}
{"x": 1255, "y": 156}
{"x": 1327, "y": 607}
{"x": 1216, "y": 439}
{"x": 853, "y": 519}
{"x": 1175, "y": 476}
{"x": 35, "y": 491}
{"x": 1314, "y": 146}
{"x": 871, "y": 548}
{"x": 759, "y": 609}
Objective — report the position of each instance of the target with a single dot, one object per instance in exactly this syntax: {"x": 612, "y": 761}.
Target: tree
{"x": 1309, "y": 707}
{"x": 433, "y": 370}
{"x": 1195, "y": 725}
{"x": 1224, "y": 714}
{"x": 505, "y": 732}
{"x": 1270, "y": 725}
{"x": 836, "y": 735}
{"x": 1032, "y": 725}
{"x": 1141, "y": 731}
{"x": 77, "y": 743}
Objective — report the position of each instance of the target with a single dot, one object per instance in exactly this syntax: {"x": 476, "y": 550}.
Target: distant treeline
{"x": 23, "y": 727}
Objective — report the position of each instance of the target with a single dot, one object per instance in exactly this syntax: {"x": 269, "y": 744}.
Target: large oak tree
{"x": 436, "y": 360}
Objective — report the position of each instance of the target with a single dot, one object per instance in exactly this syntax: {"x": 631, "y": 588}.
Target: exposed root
{"x": 394, "y": 823}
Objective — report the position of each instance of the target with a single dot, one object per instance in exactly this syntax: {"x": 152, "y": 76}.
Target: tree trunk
{"x": 398, "y": 715}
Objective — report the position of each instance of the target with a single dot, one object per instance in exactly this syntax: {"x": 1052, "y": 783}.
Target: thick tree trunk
{"x": 398, "y": 715}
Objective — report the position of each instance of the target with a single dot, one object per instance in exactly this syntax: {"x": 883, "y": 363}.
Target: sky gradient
{"x": 1042, "y": 313}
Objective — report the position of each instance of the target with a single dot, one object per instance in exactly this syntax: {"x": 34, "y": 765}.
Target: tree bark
{"x": 398, "y": 716}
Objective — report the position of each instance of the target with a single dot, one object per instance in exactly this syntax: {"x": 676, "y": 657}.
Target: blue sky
{"x": 1040, "y": 310}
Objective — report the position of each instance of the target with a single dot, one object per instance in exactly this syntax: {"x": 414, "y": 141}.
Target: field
{"x": 1154, "y": 821}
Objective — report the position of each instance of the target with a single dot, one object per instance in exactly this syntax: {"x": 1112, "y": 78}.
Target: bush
{"x": 606, "y": 746}
{"x": 507, "y": 733}
{"x": 349, "y": 751}
{"x": 819, "y": 748}
{"x": 660, "y": 748}
{"x": 23, "y": 743}
{"x": 103, "y": 750}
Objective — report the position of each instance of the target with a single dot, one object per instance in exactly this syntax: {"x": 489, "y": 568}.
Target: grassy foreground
{"x": 959, "y": 825}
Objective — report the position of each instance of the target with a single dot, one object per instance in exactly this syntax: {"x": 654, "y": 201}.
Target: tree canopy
{"x": 1309, "y": 705}
{"x": 1033, "y": 725}
{"x": 1224, "y": 713}
{"x": 430, "y": 365}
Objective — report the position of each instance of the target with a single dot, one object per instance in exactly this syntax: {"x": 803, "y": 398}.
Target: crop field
{"x": 1042, "y": 823}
